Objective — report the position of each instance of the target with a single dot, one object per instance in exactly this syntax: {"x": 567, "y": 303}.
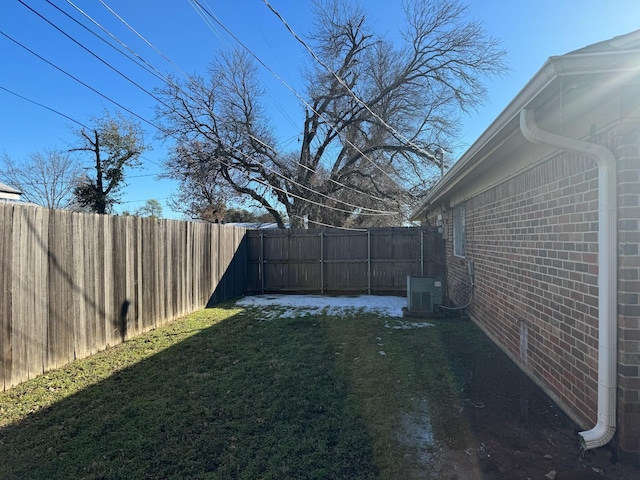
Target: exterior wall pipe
{"x": 605, "y": 427}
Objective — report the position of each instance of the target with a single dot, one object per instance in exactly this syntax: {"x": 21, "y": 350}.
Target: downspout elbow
{"x": 598, "y": 436}
{"x": 602, "y": 155}
{"x": 605, "y": 427}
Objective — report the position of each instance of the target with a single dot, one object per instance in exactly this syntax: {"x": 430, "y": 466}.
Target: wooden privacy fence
{"x": 72, "y": 284}
{"x": 340, "y": 261}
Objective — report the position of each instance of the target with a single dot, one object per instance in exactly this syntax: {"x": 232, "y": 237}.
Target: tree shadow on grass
{"x": 240, "y": 399}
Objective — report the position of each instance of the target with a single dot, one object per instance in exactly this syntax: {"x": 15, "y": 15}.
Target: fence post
{"x": 261, "y": 270}
{"x": 422, "y": 253}
{"x": 368, "y": 262}
{"x": 321, "y": 263}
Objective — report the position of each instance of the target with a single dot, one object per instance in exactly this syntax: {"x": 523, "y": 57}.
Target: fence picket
{"x": 6, "y": 282}
{"x": 59, "y": 325}
{"x": 77, "y": 274}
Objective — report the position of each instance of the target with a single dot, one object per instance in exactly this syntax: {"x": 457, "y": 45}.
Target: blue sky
{"x": 530, "y": 32}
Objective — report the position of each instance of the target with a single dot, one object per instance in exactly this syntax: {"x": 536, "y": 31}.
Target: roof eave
{"x": 9, "y": 196}
{"x": 553, "y": 68}
{"x": 6, "y": 189}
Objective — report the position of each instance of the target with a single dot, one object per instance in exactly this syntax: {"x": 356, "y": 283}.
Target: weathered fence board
{"x": 337, "y": 261}
{"x": 30, "y": 297}
{"x": 18, "y": 347}
{"x": 59, "y": 327}
{"x": 80, "y": 305}
{"x": 6, "y": 272}
{"x": 73, "y": 284}
{"x": 100, "y": 258}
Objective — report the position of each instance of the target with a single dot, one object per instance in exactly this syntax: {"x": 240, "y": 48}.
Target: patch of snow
{"x": 416, "y": 431}
{"x": 401, "y": 325}
{"x": 300, "y": 305}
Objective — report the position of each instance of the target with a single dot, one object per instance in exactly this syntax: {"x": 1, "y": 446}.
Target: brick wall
{"x": 533, "y": 241}
{"x": 628, "y": 434}
{"x": 457, "y": 281}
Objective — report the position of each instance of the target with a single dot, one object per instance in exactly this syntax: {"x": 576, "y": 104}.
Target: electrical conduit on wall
{"x": 605, "y": 427}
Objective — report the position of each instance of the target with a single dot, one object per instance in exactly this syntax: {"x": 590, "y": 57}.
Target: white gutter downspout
{"x": 604, "y": 429}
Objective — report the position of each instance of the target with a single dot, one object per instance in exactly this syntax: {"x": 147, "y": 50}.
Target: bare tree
{"x": 373, "y": 116}
{"x": 45, "y": 178}
{"x": 114, "y": 144}
{"x": 202, "y": 194}
{"x": 151, "y": 208}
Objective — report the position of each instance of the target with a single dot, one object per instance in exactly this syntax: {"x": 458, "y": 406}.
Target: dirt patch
{"x": 515, "y": 430}
{"x": 507, "y": 451}
{"x": 437, "y": 460}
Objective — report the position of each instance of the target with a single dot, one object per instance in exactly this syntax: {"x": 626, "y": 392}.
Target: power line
{"x": 146, "y": 121}
{"x": 288, "y": 193}
{"x": 202, "y": 14}
{"x": 93, "y": 54}
{"x": 144, "y": 175}
{"x": 156, "y": 74}
{"x": 160, "y": 101}
{"x": 288, "y": 179}
{"x": 45, "y": 107}
{"x": 374, "y": 212}
{"x": 378, "y": 212}
{"x": 330, "y": 226}
{"x": 209, "y": 24}
{"x": 298, "y": 184}
{"x": 152, "y": 161}
{"x": 343, "y": 83}
{"x": 310, "y": 107}
{"x": 138, "y": 201}
{"x": 159, "y": 74}
{"x": 313, "y": 202}
{"x": 397, "y": 134}
{"x": 80, "y": 81}
{"x": 292, "y": 90}
{"x": 142, "y": 38}
{"x": 82, "y": 125}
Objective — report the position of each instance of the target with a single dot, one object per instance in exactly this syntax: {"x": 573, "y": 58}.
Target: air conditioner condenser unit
{"x": 423, "y": 294}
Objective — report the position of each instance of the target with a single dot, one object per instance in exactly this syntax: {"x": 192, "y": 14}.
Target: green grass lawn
{"x": 222, "y": 394}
